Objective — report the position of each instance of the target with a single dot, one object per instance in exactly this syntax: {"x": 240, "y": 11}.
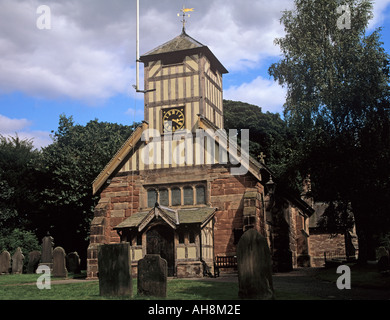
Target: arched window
{"x": 200, "y": 195}
{"x": 188, "y": 196}
{"x": 152, "y": 197}
{"x": 164, "y": 198}
{"x": 176, "y": 196}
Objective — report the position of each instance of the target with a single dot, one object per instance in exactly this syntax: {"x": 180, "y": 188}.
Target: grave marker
{"x": 33, "y": 261}
{"x": 17, "y": 261}
{"x": 152, "y": 276}
{"x": 5, "y": 262}
{"x": 115, "y": 270}
{"x": 73, "y": 262}
{"x": 47, "y": 251}
{"x": 59, "y": 263}
{"x": 254, "y": 267}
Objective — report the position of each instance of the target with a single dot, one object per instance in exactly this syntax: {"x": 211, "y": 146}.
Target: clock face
{"x": 173, "y": 119}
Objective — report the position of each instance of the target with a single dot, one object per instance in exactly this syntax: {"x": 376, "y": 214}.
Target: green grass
{"x": 23, "y": 287}
{"x": 13, "y": 279}
{"x": 15, "y": 287}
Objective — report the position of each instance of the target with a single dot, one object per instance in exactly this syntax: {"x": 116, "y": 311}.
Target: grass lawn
{"x": 23, "y": 287}
{"x": 18, "y": 289}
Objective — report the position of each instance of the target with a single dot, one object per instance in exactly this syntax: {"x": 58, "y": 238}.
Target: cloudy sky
{"x": 84, "y": 65}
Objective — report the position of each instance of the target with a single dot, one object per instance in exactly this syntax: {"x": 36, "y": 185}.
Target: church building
{"x": 175, "y": 187}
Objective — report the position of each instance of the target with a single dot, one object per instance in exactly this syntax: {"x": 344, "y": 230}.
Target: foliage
{"x": 26, "y": 240}
{"x": 337, "y": 217}
{"x": 18, "y": 183}
{"x": 51, "y": 189}
{"x": 68, "y": 167}
{"x": 18, "y": 194}
{"x": 7, "y": 213}
{"x": 268, "y": 133}
{"x": 338, "y": 105}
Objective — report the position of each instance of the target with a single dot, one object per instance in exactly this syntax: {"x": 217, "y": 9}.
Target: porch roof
{"x": 174, "y": 218}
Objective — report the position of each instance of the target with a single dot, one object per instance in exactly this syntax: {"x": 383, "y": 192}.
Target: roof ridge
{"x": 176, "y": 47}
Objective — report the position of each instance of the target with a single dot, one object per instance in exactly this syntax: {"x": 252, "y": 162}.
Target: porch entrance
{"x": 160, "y": 240}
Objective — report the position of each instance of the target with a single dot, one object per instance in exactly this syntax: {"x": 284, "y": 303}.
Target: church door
{"x": 159, "y": 240}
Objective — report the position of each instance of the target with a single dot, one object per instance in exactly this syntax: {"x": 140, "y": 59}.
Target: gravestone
{"x": 17, "y": 261}
{"x": 5, "y": 262}
{"x": 254, "y": 267}
{"x": 115, "y": 270}
{"x": 152, "y": 276}
{"x": 33, "y": 261}
{"x": 47, "y": 251}
{"x": 383, "y": 260}
{"x": 73, "y": 262}
{"x": 59, "y": 263}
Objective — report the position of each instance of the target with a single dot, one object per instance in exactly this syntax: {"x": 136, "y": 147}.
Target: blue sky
{"x": 84, "y": 65}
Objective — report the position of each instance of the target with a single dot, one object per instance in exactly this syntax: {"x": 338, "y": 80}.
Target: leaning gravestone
{"x": 59, "y": 263}
{"x": 115, "y": 270}
{"x": 17, "y": 261}
{"x": 5, "y": 262}
{"x": 47, "y": 251}
{"x": 33, "y": 261}
{"x": 254, "y": 267}
{"x": 152, "y": 276}
{"x": 73, "y": 262}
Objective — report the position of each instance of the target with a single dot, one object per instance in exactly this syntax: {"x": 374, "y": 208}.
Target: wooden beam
{"x": 119, "y": 156}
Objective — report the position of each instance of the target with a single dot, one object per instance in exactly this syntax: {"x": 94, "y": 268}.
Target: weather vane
{"x": 185, "y": 14}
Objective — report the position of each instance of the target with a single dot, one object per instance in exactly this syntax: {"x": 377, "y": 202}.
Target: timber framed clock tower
{"x": 183, "y": 78}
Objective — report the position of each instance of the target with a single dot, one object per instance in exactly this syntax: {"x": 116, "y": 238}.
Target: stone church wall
{"x": 227, "y": 194}
{"x": 239, "y": 200}
{"x": 325, "y": 242}
{"x": 117, "y": 202}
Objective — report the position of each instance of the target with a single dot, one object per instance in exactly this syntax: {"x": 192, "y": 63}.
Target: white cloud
{"x": 10, "y": 127}
{"x": 264, "y": 93}
{"x": 69, "y": 60}
{"x": 89, "y": 53}
{"x": 242, "y": 33}
{"x": 379, "y": 13}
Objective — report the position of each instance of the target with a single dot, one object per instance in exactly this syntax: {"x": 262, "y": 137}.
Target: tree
{"x": 17, "y": 180}
{"x": 68, "y": 167}
{"x": 18, "y": 193}
{"x": 338, "y": 104}
{"x": 268, "y": 132}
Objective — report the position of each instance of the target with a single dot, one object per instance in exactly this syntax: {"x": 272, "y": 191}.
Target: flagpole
{"x": 137, "y": 49}
{"x": 136, "y": 86}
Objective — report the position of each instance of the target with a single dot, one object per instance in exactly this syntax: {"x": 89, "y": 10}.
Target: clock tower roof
{"x": 182, "y": 45}
{"x": 179, "y": 43}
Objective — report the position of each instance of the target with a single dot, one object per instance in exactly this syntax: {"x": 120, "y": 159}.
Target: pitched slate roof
{"x": 181, "y": 42}
{"x": 173, "y": 217}
{"x": 182, "y": 45}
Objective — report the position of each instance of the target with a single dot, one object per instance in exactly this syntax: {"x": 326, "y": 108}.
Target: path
{"x": 304, "y": 282}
